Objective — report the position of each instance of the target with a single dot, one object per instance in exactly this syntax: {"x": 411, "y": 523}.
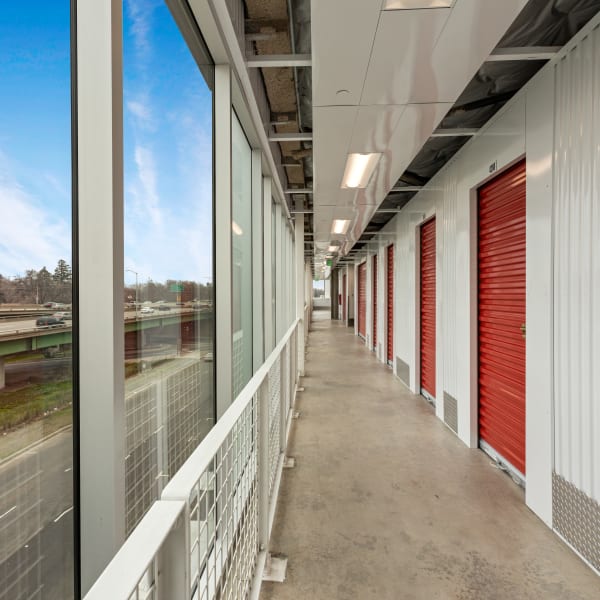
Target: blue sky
{"x": 35, "y": 135}
{"x": 168, "y": 143}
{"x": 168, "y": 150}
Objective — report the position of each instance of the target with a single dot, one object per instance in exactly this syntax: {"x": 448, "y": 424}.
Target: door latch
{"x": 523, "y": 330}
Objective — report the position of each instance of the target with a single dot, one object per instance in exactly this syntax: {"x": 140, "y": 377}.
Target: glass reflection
{"x": 168, "y": 296}
{"x": 241, "y": 228}
{"x": 36, "y": 460}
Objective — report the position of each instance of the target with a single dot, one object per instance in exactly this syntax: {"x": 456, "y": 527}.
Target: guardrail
{"x": 208, "y": 535}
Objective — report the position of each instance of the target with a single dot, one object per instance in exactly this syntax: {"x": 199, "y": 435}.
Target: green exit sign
{"x": 329, "y": 262}
{"x": 176, "y": 287}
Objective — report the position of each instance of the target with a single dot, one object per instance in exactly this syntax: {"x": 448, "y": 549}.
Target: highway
{"x": 36, "y": 516}
{"x": 36, "y": 522}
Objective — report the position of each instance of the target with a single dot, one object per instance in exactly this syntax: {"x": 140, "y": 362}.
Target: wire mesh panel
{"x": 224, "y": 515}
{"x": 189, "y": 400}
{"x": 141, "y": 460}
{"x": 274, "y": 419}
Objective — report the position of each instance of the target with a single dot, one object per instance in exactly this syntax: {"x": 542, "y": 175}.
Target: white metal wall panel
{"x": 577, "y": 266}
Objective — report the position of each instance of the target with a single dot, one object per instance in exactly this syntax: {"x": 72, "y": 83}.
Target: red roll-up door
{"x": 344, "y": 298}
{"x": 428, "y": 307}
{"x": 362, "y": 300}
{"x": 375, "y": 302}
{"x": 501, "y": 307}
{"x": 390, "y": 303}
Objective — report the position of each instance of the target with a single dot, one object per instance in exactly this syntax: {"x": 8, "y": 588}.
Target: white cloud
{"x": 31, "y": 236}
{"x": 142, "y": 112}
{"x": 145, "y": 191}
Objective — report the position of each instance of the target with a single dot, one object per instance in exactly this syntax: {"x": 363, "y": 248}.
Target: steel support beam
{"x": 526, "y": 53}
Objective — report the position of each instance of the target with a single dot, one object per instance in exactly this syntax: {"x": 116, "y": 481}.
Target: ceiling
{"x": 412, "y": 85}
{"x": 382, "y": 82}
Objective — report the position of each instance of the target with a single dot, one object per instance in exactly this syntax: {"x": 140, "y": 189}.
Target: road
{"x": 10, "y": 326}
{"x": 36, "y": 523}
{"x": 36, "y": 517}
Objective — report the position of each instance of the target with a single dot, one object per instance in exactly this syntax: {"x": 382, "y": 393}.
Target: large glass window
{"x": 36, "y": 397}
{"x": 241, "y": 228}
{"x": 168, "y": 303}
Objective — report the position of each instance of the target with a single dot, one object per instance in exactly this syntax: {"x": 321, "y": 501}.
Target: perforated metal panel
{"x": 403, "y": 371}
{"x": 451, "y": 412}
{"x": 501, "y": 304}
{"x": 576, "y": 517}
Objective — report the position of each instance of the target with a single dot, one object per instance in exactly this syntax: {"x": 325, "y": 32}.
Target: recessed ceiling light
{"x": 359, "y": 168}
{"x": 416, "y": 4}
{"x": 340, "y": 226}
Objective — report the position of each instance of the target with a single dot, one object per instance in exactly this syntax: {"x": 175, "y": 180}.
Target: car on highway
{"x": 147, "y": 310}
{"x": 48, "y": 321}
{"x": 64, "y": 315}
{"x": 164, "y": 307}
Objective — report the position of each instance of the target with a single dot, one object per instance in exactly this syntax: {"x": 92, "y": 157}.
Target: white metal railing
{"x": 207, "y": 537}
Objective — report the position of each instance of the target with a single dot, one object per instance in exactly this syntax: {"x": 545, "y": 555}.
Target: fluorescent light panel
{"x": 340, "y": 226}
{"x": 416, "y": 4}
{"x": 333, "y": 248}
{"x": 359, "y": 168}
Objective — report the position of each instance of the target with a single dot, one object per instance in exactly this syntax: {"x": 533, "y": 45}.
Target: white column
{"x": 100, "y": 273}
{"x": 268, "y": 266}
{"x": 224, "y": 335}
{"x": 300, "y": 279}
{"x": 258, "y": 349}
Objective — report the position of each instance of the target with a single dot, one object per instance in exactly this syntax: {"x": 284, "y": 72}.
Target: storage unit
{"x": 390, "y": 304}
{"x": 375, "y": 302}
{"x": 362, "y": 300}
{"x": 501, "y": 315}
{"x": 427, "y": 309}
{"x": 344, "y": 297}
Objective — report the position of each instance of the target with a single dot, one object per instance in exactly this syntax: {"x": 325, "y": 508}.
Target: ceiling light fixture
{"x": 359, "y": 168}
{"x": 333, "y": 249}
{"x": 340, "y": 226}
{"x": 416, "y": 4}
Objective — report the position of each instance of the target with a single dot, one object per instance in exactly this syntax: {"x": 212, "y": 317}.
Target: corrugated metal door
{"x": 428, "y": 308}
{"x": 501, "y": 302}
{"x": 390, "y": 303}
{"x": 375, "y": 302}
{"x": 344, "y": 298}
{"x": 362, "y": 300}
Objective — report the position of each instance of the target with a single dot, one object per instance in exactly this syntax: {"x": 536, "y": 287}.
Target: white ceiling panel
{"x": 374, "y": 127}
{"x": 342, "y": 36}
{"x": 332, "y": 128}
{"x": 401, "y": 55}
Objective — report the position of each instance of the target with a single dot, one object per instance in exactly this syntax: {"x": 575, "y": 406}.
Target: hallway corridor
{"x": 386, "y": 503}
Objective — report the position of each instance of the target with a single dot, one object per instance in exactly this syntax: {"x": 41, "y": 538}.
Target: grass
{"x": 21, "y": 406}
{"x": 25, "y": 357}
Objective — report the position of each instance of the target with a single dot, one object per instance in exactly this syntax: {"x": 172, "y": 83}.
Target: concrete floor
{"x": 385, "y": 502}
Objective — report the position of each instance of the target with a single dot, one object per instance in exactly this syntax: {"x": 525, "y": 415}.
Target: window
{"x": 36, "y": 385}
{"x": 241, "y": 229}
{"x": 168, "y": 303}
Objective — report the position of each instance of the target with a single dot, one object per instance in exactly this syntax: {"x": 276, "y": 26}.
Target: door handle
{"x": 523, "y": 329}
